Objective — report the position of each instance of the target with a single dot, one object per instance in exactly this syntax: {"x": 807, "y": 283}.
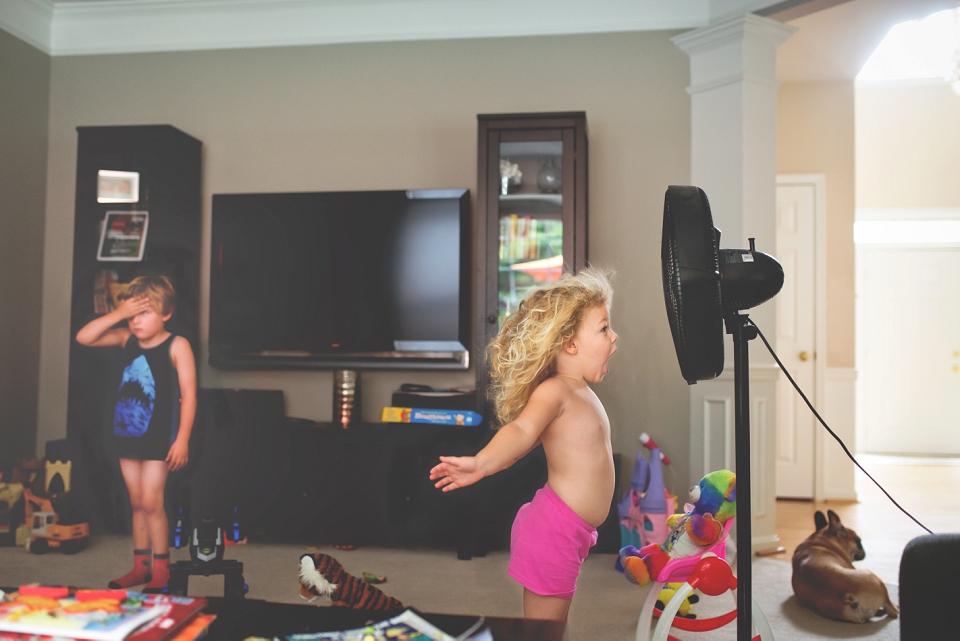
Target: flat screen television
{"x": 331, "y": 280}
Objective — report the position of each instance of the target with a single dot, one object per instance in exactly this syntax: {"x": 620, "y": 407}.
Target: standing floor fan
{"x": 704, "y": 288}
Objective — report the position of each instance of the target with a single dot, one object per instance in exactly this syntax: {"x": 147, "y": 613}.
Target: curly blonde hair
{"x": 524, "y": 353}
{"x": 158, "y": 290}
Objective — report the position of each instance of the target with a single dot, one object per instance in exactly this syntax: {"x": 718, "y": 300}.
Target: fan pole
{"x": 742, "y": 333}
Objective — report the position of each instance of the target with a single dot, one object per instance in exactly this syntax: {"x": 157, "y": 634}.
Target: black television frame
{"x": 440, "y": 359}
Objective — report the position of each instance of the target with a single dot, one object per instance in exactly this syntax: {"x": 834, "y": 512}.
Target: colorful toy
{"x": 322, "y": 577}
{"x": 45, "y": 517}
{"x": 686, "y": 605}
{"x": 703, "y": 525}
{"x": 47, "y": 533}
{"x": 712, "y": 576}
{"x": 651, "y": 444}
{"x": 646, "y": 505}
{"x": 10, "y": 494}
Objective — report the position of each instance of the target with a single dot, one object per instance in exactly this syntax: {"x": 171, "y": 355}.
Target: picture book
{"x": 76, "y": 617}
{"x": 196, "y": 628}
{"x": 177, "y": 612}
{"x": 123, "y": 235}
{"x": 406, "y": 625}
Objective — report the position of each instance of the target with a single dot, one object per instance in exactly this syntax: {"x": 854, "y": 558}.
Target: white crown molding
{"x": 732, "y": 31}
{"x": 87, "y": 27}
{"x": 175, "y": 25}
{"x": 29, "y": 20}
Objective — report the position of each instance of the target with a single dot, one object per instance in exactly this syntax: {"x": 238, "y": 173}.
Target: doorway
{"x": 908, "y": 344}
{"x": 801, "y": 322}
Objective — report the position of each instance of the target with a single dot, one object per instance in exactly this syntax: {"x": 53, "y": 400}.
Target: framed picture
{"x": 123, "y": 235}
{"x": 118, "y": 186}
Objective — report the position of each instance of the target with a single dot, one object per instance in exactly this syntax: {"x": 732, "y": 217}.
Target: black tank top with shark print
{"x": 146, "y": 413}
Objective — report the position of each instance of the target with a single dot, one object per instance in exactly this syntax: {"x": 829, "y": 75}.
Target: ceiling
{"x": 834, "y": 37}
{"x": 84, "y": 27}
{"x": 835, "y": 42}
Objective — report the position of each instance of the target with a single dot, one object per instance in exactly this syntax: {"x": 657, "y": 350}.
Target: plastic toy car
{"x": 47, "y": 533}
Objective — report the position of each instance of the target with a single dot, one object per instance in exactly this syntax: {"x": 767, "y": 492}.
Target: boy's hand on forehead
{"x": 133, "y": 305}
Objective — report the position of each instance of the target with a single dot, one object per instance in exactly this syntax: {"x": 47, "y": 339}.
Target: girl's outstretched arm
{"x": 456, "y": 471}
{"x": 508, "y": 445}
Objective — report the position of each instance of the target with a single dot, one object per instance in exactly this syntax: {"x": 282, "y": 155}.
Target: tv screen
{"x": 329, "y": 280}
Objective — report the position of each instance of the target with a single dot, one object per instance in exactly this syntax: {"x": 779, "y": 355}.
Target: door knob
{"x": 804, "y": 356}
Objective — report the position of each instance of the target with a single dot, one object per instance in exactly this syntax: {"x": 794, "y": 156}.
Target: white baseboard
{"x": 764, "y": 543}
{"x": 836, "y": 471}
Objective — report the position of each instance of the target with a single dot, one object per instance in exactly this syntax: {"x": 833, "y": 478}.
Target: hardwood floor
{"x": 927, "y": 488}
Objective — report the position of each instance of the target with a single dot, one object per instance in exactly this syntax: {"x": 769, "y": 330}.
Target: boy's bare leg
{"x": 133, "y": 478}
{"x": 537, "y": 606}
{"x": 154, "y": 479}
{"x": 141, "y": 573}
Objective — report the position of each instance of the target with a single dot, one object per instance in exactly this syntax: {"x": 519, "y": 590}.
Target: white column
{"x": 733, "y": 93}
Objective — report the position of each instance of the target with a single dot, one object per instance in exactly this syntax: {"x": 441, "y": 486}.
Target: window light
{"x": 918, "y": 49}
{"x": 906, "y": 232}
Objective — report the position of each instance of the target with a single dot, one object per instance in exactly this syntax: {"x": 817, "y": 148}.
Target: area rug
{"x": 606, "y": 605}
{"x": 789, "y": 620}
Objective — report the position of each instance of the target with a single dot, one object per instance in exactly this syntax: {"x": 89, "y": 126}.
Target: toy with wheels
{"x": 46, "y": 533}
{"x": 686, "y": 606}
{"x": 712, "y": 576}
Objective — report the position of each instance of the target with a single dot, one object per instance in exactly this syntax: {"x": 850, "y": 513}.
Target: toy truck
{"x": 46, "y": 533}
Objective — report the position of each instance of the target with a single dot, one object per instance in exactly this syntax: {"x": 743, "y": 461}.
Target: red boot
{"x": 161, "y": 574}
{"x": 139, "y": 574}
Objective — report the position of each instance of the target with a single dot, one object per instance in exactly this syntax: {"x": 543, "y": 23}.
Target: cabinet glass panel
{"x": 531, "y": 228}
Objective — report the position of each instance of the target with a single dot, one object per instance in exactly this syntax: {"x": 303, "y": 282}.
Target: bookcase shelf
{"x": 550, "y": 199}
{"x": 537, "y": 229}
{"x": 167, "y": 162}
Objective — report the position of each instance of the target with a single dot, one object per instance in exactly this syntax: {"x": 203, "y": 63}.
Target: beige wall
{"x": 402, "y": 115}
{"x": 24, "y": 99}
{"x": 908, "y": 146}
{"x": 815, "y": 135}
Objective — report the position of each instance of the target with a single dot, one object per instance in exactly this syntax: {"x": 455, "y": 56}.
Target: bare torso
{"x": 578, "y": 451}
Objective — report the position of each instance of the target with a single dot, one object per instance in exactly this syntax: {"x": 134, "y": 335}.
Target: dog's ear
{"x": 835, "y": 524}
{"x": 819, "y": 520}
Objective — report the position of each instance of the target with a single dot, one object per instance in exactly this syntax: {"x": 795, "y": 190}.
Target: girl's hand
{"x": 130, "y": 307}
{"x": 177, "y": 456}
{"x": 456, "y": 471}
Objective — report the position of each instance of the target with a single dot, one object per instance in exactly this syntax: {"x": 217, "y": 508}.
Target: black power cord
{"x": 832, "y": 433}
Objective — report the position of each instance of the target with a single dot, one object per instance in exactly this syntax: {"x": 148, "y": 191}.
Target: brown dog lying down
{"x": 825, "y": 580}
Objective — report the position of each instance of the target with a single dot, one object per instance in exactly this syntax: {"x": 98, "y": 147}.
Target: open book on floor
{"x": 406, "y": 625}
{"x": 99, "y": 615}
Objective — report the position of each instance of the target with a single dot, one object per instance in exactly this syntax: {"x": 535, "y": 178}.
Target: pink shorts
{"x": 548, "y": 543}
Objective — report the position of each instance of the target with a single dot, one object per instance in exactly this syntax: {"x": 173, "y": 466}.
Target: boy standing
{"x": 153, "y": 414}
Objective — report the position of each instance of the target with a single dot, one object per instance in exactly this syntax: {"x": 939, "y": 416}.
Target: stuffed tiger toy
{"x": 322, "y": 575}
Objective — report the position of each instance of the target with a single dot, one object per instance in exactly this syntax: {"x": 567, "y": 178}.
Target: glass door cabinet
{"x": 531, "y": 219}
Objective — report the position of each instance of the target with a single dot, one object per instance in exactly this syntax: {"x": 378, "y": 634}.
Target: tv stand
{"x": 370, "y": 485}
{"x": 295, "y": 480}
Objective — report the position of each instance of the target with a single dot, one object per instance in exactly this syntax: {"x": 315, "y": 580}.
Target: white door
{"x": 908, "y": 319}
{"x": 796, "y": 322}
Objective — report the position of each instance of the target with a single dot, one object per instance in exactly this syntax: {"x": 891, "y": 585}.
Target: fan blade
{"x": 691, "y": 282}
